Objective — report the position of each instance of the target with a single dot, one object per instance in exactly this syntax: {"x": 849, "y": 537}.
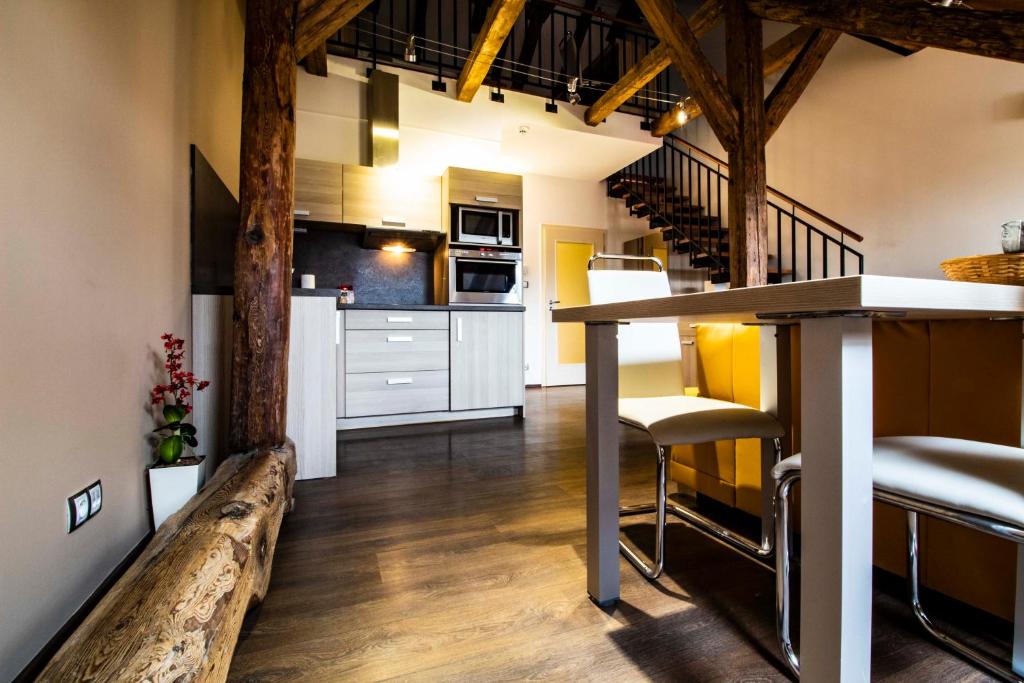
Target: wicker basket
{"x": 1001, "y": 269}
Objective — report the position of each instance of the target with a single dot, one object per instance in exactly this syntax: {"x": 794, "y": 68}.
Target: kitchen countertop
{"x": 331, "y": 292}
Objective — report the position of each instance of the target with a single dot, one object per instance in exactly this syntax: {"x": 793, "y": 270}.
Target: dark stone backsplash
{"x": 378, "y": 277}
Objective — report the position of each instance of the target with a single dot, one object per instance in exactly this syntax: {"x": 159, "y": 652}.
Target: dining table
{"x": 835, "y": 318}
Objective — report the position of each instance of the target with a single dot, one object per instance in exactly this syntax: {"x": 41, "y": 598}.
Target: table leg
{"x": 836, "y": 500}
{"x": 602, "y": 462}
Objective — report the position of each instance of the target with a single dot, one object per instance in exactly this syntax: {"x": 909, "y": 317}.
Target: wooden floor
{"x": 456, "y": 553}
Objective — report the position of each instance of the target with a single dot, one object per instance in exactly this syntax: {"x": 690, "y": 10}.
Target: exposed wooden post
{"x": 316, "y": 61}
{"x": 748, "y": 199}
{"x": 263, "y": 247}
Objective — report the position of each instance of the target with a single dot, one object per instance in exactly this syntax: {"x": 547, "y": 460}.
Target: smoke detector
{"x": 523, "y": 130}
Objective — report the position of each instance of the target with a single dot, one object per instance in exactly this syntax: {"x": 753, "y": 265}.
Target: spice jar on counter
{"x": 346, "y": 295}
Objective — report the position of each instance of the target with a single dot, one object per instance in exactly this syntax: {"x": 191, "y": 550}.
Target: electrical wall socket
{"x": 84, "y": 505}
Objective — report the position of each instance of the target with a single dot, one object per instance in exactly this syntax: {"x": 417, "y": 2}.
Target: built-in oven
{"x": 484, "y": 276}
{"x": 482, "y": 225}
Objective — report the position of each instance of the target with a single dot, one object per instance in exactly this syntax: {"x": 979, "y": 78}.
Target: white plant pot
{"x": 171, "y": 486}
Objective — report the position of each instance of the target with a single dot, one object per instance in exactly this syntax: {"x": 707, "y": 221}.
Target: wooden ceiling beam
{"x": 777, "y": 57}
{"x": 652, "y": 64}
{"x": 706, "y": 86}
{"x": 797, "y": 77}
{"x": 987, "y": 33}
{"x": 500, "y": 18}
{"x": 320, "y": 19}
{"x": 316, "y": 61}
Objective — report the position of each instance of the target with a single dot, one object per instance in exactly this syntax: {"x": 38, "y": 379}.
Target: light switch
{"x": 78, "y": 510}
{"x": 95, "y": 498}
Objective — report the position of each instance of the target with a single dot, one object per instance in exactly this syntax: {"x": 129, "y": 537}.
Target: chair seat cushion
{"x": 980, "y": 478}
{"x": 693, "y": 419}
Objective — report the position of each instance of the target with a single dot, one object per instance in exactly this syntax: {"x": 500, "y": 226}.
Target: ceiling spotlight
{"x": 572, "y": 86}
{"x": 683, "y": 110}
{"x": 410, "y": 49}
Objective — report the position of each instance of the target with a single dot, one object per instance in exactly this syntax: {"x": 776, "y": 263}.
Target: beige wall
{"x": 100, "y": 102}
{"x": 922, "y": 155}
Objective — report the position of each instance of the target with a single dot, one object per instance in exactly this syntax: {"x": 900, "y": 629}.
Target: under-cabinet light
{"x": 398, "y": 249}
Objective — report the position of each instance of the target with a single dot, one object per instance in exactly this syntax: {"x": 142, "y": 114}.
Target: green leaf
{"x": 174, "y": 413}
{"x": 170, "y": 449}
{"x": 190, "y": 440}
{"x": 187, "y": 428}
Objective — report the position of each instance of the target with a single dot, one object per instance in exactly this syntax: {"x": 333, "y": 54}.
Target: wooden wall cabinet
{"x": 318, "y": 191}
{"x": 486, "y": 359}
{"x": 377, "y": 196}
{"x": 483, "y": 188}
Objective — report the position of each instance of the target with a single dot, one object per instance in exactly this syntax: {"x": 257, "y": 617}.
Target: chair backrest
{"x": 650, "y": 359}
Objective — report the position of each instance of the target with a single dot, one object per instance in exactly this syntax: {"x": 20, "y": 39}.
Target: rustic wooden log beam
{"x": 316, "y": 61}
{"x": 748, "y": 181}
{"x": 501, "y": 16}
{"x": 263, "y": 247}
{"x": 797, "y": 77}
{"x": 320, "y": 19}
{"x": 176, "y": 613}
{"x": 652, "y": 64}
{"x": 998, "y": 34}
{"x": 777, "y": 57}
{"x": 704, "y": 82}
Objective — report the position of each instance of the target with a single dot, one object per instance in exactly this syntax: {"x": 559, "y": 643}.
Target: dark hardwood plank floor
{"x": 456, "y": 553}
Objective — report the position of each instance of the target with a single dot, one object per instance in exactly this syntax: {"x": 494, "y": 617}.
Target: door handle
{"x": 551, "y": 304}
{"x": 458, "y": 330}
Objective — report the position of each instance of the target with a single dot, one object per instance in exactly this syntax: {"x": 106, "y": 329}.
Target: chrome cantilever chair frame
{"x": 771, "y": 454}
{"x": 913, "y": 508}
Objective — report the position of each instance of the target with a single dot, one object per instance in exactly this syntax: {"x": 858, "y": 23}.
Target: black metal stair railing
{"x": 683, "y": 191}
{"x": 551, "y": 43}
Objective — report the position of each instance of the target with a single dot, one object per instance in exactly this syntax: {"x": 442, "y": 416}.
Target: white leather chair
{"x": 652, "y": 398}
{"x": 970, "y": 483}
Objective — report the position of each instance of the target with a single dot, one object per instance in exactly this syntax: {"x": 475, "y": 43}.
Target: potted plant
{"x": 176, "y": 475}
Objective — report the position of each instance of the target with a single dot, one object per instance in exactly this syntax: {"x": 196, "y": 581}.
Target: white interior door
{"x": 566, "y": 252}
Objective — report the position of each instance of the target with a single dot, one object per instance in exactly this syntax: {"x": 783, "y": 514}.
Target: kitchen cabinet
{"x": 312, "y": 374}
{"x": 391, "y": 197}
{"x": 486, "y": 366}
{"x": 483, "y": 188}
{"x": 318, "y": 191}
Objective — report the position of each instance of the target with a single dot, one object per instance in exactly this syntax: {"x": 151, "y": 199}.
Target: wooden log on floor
{"x": 176, "y": 613}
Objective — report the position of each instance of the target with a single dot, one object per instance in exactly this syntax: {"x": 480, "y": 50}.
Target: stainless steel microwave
{"x": 482, "y": 276}
{"x": 480, "y": 225}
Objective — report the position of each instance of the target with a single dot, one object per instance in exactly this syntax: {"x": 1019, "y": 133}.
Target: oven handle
{"x": 484, "y": 260}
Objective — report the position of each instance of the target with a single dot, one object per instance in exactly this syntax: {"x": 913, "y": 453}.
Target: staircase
{"x": 682, "y": 190}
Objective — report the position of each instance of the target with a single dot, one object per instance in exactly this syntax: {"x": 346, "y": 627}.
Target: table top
{"x": 896, "y": 297}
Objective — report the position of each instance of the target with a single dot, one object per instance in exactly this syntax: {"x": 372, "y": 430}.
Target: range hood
{"x": 382, "y": 95}
{"x": 399, "y": 240}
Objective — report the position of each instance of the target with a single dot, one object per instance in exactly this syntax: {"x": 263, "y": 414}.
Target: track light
{"x": 683, "y": 110}
{"x": 410, "y": 49}
{"x": 573, "y": 86}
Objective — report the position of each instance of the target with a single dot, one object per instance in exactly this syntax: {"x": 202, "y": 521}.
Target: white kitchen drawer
{"x": 395, "y": 350}
{"x": 393, "y": 393}
{"x": 396, "y": 320}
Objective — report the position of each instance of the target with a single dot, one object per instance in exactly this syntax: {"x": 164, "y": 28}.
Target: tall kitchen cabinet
{"x": 486, "y": 367}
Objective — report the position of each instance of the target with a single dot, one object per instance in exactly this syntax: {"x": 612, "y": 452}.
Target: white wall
{"x": 922, "y": 155}
{"x": 99, "y": 105}
{"x": 436, "y": 131}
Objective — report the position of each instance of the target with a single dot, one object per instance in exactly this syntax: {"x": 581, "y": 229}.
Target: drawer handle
{"x": 399, "y": 380}
{"x": 483, "y": 198}
{"x": 399, "y": 319}
{"x": 399, "y": 339}
{"x": 301, "y": 212}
